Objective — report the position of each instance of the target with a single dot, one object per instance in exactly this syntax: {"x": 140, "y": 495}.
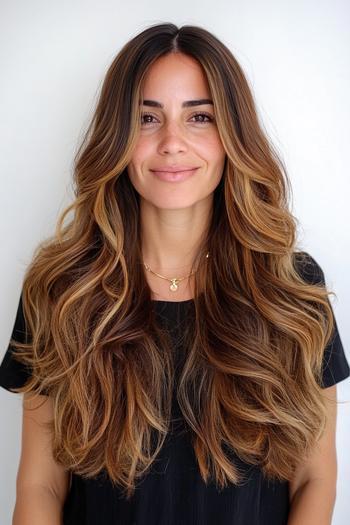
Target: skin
{"x": 175, "y": 215}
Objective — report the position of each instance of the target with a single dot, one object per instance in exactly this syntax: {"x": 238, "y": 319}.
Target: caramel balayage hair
{"x": 251, "y": 382}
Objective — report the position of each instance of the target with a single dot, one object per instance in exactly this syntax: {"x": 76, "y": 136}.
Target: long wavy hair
{"x": 251, "y": 380}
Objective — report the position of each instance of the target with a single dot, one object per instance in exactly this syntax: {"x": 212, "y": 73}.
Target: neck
{"x": 171, "y": 238}
{"x": 170, "y": 242}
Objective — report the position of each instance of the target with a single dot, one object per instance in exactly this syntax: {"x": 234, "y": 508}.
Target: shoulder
{"x": 308, "y": 268}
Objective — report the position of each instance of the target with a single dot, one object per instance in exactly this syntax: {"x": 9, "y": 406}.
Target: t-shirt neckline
{"x": 157, "y": 301}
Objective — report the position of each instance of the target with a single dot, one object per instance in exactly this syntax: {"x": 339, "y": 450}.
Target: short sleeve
{"x": 13, "y": 373}
{"x": 335, "y": 366}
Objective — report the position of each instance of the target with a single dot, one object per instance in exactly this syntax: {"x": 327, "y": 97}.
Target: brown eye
{"x": 145, "y": 116}
{"x": 204, "y": 115}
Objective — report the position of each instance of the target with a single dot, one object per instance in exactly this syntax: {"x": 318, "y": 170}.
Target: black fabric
{"x": 173, "y": 492}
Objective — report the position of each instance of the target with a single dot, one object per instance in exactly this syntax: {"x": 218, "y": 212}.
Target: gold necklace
{"x": 175, "y": 280}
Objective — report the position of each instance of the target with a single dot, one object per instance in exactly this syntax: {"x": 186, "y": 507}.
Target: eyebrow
{"x": 186, "y": 104}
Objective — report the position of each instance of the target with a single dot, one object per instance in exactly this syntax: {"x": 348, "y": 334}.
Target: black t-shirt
{"x": 173, "y": 492}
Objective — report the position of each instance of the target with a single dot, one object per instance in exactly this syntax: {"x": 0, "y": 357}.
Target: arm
{"x": 312, "y": 493}
{"x": 42, "y": 484}
{"x": 37, "y": 505}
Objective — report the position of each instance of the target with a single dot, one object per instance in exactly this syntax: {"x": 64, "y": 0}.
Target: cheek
{"x": 211, "y": 144}
{"x": 138, "y": 166}
{"x": 137, "y": 160}
{"x": 141, "y": 153}
{"x": 212, "y": 152}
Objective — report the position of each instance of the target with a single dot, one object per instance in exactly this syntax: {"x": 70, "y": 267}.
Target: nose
{"x": 172, "y": 139}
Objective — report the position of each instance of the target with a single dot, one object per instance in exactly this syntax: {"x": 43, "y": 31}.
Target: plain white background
{"x": 53, "y": 56}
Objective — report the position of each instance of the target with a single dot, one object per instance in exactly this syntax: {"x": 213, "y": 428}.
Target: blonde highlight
{"x": 252, "y": 374}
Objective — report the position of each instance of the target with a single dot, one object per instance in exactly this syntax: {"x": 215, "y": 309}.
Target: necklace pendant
{"x": 173, "y": 287}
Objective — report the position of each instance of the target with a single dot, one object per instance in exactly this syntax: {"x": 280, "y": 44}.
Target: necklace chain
{"x": 175, "y": 280}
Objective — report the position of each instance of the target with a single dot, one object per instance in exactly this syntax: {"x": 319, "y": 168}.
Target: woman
{"x": 184, "y": 352}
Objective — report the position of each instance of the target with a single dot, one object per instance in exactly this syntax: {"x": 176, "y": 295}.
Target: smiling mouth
{"x": 174, "y": 176}
{"x": 170, "y": 171}
{"x": 174, "y": 168}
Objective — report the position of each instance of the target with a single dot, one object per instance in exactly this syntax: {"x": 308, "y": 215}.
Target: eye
{"x": 149, "y": 116}
{"x": 206, "y": 115}
{"x": 146, "y": 115}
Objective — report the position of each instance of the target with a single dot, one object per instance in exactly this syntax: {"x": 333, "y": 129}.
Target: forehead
{"x": 176, "y": 76}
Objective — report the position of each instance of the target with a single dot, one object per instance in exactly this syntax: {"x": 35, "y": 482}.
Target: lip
{"x": 174, "y": 169}
{"x": 174, "y": 176}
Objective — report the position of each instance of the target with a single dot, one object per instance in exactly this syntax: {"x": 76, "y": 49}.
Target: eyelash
{"x": 195, "y": 115}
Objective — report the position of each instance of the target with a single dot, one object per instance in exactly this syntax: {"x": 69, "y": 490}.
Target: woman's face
{"x": 176, "y": 135}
